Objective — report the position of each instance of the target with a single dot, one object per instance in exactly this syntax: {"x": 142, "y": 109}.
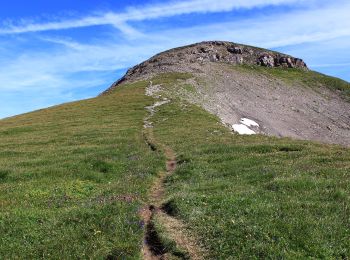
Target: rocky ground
{"x": 187, "y": 59}
{"x": 280, "y": 109}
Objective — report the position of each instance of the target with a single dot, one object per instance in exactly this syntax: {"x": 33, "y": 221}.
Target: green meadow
{"x": 255, "y": 197}
{"x": 73, "y": 179}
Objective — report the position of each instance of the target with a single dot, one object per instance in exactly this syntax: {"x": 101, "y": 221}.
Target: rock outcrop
{"x": 277, "y": 60}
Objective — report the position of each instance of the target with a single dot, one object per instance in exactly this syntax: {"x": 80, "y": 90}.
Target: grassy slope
{"x": 301, "y": 77}
{"x": 64, "y": 172}
{"x": 73, "y": 177}
{"x": 255, "y": 196}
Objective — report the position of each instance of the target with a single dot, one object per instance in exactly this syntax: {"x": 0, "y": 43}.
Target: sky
{"x": 59, "y": 51}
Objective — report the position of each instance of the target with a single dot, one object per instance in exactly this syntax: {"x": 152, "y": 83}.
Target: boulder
{"x": 239, "y": 60}
{"x": 267, "y": 61}
{"x": 235, "y": 50}
{"x": 290, "y": 63}
{"x": 214, "y": 57}
{"x": 300, "y": 63}
{"x": 282, "y": 61}
{"x": 204, "y": 50}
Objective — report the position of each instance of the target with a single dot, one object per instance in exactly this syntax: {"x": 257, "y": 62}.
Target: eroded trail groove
{"x": 175, "y": 230}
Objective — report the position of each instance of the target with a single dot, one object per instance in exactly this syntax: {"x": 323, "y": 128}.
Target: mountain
{"x": 215, "y": 150}
{"x": 293, "y": 102}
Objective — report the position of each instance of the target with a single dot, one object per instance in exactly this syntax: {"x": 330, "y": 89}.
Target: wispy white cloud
{"x": 330, "y": 65}
{"x": 58, "y": 71}
{"x": 106, "y": 19}
{"x": 72, "y": 66}
{"x": 196, "y": 6}
{"x": 274, "y": 31}
{"x": 74, "y": 57}
{"x": 141, "y": 13}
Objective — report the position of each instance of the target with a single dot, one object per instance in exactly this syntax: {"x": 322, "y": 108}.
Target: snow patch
{"x": 242, "y": 129}
{"x": 248, "y": 122}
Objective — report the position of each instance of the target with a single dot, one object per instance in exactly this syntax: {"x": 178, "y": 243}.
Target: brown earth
{"x": 153, "y": 247}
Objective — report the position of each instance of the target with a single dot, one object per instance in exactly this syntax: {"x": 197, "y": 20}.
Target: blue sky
{"x": 53, "y": 52}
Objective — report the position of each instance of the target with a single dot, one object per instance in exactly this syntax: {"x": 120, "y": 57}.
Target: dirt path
{"x": 153, "y": 248}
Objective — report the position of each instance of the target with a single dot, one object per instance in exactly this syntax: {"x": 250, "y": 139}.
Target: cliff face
{"x": 190, "y": 58}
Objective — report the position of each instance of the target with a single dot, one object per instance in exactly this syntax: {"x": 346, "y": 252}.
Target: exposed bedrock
{"x": 190, "y": 58}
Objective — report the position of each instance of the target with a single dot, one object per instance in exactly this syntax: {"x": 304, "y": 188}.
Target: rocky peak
{"x": 188, "y": 58}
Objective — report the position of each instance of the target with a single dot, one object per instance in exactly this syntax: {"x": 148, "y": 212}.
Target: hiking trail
{"x": 153, "y": 248}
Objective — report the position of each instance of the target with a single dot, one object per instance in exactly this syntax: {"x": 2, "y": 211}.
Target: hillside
{"x": 275, "y": 90}
{"x": 148, "y": 169}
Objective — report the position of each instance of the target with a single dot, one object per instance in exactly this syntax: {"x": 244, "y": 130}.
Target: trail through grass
{"x": 257, "y": 196}
{"x": 74, "y": 177}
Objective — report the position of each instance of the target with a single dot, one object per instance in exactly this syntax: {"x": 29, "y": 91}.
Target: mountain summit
{"x": 238, "y": 83}
{"x": 179, "y": 160}
{"x": 188, "y": 58}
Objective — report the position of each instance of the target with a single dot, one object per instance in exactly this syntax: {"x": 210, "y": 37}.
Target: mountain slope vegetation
{"x": 73, "y": 178}
{"x": 104, "y": 177}
{"x": 255, "y": 196}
